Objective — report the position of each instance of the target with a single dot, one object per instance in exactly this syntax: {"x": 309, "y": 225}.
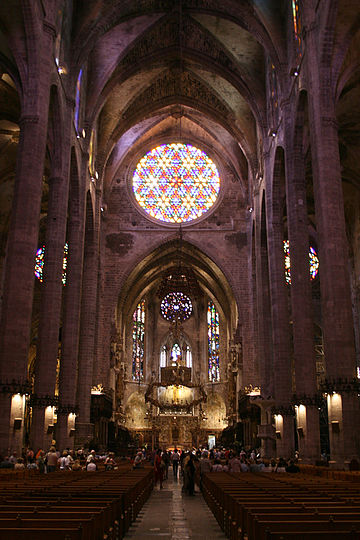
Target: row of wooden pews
{"x": 71, "y": 505}
{"x": 280, "y": 506}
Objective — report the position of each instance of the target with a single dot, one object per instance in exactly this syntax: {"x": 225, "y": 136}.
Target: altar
{"x": 175, "y": 404}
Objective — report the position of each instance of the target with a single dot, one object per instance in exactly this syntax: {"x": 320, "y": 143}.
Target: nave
{"x": 168, "y": 513}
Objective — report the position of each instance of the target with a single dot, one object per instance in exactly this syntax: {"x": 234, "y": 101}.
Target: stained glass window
{"x": 138, "y": 342}
{"x": 297, "y": 29}
{"x": 40, "y": 261}
{"x": 188, "y": 357}
{"x": 163, "y": 356}
{"x": 91, "y": 154}
{"x": 176, "y": 356}
{"x": 213, "y": 342}
{"x": 313, "y": 262}
{"x": 176, "y": 306}
{"x": 77, "y": 100}
{"x": 176, "y": 183}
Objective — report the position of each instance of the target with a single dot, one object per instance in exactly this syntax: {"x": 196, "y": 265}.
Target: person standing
{"x": 205, "y": 466}
{"x": 158, "y": 468}
{"x": 175, "y": 458}
{"x": 189, "y": 474}
{"x": 166, "y": 461}
{"x": 51, "y": 460}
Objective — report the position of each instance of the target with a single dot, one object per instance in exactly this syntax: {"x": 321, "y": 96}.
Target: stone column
{"x": 50, "y": 310}
{"x": 300, "y": 288}
{"x": 84, "y": 429}
{"x": 71, "y": 327}
{"x": 279, "y": 309}
{"x": 337, "y": 319}
{"x": 22, "y": 242}
{"x": 265, "y": 347}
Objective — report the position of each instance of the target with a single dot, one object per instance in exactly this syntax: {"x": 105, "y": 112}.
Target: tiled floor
{"x": 171, "y": 514}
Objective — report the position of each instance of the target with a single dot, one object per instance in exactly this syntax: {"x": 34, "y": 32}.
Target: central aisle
{"x": 169, "y": 514}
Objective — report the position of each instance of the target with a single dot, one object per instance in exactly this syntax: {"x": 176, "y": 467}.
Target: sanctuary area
{"x": 180, "y": 225}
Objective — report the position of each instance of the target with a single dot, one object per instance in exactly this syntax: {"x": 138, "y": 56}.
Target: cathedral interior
{"x": 180, "y": 224}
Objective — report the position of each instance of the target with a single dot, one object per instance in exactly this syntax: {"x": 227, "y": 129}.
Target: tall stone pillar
{"x": 301, "y": 300}
{"x": 49, "y": 321}
{"x": 337, "y": 319}
{"x": 52, "y": 288}
{"x": 23, "y": 234}
{"x": 84, "y": 429}
{"x": 71, "y": 328}
{"x": 279, "y": 308}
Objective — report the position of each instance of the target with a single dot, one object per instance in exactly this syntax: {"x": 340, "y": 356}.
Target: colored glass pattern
{"x": 297, "y": 29}
{"x": 213, "y": 342}
{"x": 91, "y": 154}
{"x": 273, "y": 86}
{"x": 188, "y": 357}
{"x": 176, "y": 183}
{"x": 313, "y": 262}
{"x": 176, "y": 306}
{"x": 163, "y": 356}
{"x": 138, "y": 342}
{"x": 40, "y": 261}
{"x": 176, "y": 355}
{"x": 77, "y": 100}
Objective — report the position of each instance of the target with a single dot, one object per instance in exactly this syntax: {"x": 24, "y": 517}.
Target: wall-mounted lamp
{"x": 272, "y": 132}
{"x": 294, "y": 72}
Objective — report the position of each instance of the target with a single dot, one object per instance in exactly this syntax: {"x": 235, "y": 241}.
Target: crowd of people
{"x": 187, "y": 465}
{"x": 50, "y": 461}
{"x": 191, "y": 465}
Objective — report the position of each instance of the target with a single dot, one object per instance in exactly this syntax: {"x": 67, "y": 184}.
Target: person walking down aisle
{"x": 189, "y": 474}
{"x": 158, "y": 468}
{"x": 175, "y": 458}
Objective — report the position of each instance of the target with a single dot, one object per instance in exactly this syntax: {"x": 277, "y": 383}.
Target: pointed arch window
{"x": 77, "y": 100}
{"x": 92, "y": 154}
{"x": 40, "y": 263}
{"x": 313, "y": 262}
{"x": 138, "y": 338}
{"x": 163, "y": 356}
{"x": 188, "y": 357}
{"x": 297, "y": 30}
{"x": 175, "y": 356}
{"x": 213, "y": 324}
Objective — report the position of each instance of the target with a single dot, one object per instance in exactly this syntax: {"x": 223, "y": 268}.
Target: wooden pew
{"x": 236, "y": 498}
{"x": 105, "y": 503}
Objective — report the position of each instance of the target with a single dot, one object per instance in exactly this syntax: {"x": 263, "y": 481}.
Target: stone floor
{"x": 170, "y": 514}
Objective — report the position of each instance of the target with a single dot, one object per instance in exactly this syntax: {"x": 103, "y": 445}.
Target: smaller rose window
{"x": 176, "y": 306}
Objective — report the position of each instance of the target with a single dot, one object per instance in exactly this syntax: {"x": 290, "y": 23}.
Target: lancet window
{"x": 138, "y": 340}
{"x": 77, "y": 101}
{"x": 213, "y": 324}
{"x": 297, "y": 30}
{"x": 40, "y": 262}
{"x": 313, "y": 262}
{"x": 179, "y": 353}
